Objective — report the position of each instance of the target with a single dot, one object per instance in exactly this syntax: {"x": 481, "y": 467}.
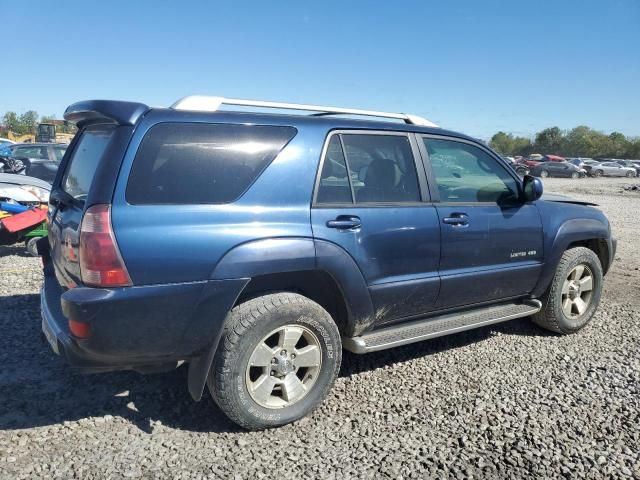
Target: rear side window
{"x": 200, "y": 163}
{"x": 84, "y": 161}
{"x": 381, "y": 169}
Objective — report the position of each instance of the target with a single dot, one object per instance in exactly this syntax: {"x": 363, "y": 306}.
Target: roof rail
{"x": 211, "y": 104}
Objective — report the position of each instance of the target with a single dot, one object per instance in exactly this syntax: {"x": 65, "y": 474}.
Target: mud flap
{"x": 218, "y": 299}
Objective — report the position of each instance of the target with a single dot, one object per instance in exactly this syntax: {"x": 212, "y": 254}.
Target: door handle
{"x": 344, "y": 222}
{"x": 457, "y": 220}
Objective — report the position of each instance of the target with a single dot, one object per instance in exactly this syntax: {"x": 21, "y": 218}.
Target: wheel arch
{"x": 319, "y": 270}
{"x": 584, "y": 232}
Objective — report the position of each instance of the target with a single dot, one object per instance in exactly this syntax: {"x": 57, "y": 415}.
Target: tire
{"x": 630, "y": 174}
{"x": 575, "y": 175}
{"x": 253, "y": 331}
{"x": 32, "y": 248}
{"x": 544, "y": 174}
{"x": 598, "y": 173}
{"x": 553, "y": 316}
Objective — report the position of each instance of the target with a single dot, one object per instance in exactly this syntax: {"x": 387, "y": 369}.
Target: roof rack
{"x": 211, "y": 104}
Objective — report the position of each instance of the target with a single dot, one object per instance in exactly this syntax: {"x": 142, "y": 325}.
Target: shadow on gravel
{"x": 352, "y": 364}
{"x": 37, "y": 388}
{"x": 17, "y": 249}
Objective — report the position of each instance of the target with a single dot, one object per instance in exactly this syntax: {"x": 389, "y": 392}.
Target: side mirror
{"x": 532, "y": 188}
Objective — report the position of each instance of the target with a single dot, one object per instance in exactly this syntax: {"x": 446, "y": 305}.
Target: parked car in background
{"x": 520, "y": 168}
{"x": 630, "y": 164}
{"x": 533, "y": 160}
{"x": 39, "y": 160}
{"x": 612, "y": 169}
{"x": 588, "y": 164}
{"x": 557, "y": 169}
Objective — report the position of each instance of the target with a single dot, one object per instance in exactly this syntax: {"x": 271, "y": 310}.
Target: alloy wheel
{"x": 577, "y": 291}
{"x": 284, "y": 366}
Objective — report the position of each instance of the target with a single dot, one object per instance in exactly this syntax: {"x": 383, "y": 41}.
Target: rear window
{"x": 200, "y": 163}
{"x": 84, "y": 161}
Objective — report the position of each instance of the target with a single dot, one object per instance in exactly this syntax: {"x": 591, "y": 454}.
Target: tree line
{"x": 581, "y": 141}
{"x": 27, "y": 122}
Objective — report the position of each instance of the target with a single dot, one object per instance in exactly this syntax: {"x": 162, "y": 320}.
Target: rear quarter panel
{"x": 180, "y": 243}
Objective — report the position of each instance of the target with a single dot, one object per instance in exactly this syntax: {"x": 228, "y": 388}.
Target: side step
{"x": 439, "y": 326}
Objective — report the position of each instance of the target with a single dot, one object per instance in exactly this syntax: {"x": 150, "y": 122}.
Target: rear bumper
{"x": 138, "y": 328}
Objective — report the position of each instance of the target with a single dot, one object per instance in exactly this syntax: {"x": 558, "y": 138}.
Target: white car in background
{"x": 6, "y": 141}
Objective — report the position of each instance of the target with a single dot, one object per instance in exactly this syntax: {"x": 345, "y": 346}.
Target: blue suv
{"x": 256, "y": 245}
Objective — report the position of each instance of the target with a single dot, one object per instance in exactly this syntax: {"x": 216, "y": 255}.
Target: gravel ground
{"x": 505, "y": 401}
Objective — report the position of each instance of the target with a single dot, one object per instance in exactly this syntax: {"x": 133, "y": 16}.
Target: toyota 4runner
{"x": 256, "y": 245}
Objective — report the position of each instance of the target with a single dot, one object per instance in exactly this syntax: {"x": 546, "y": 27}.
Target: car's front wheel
{"x": 575, "y": 175}
{"x": 630, "y": 174}
{"x": 574, "y": 293}
{"x": 277, "y": 359}
{"x": 544, "y": 174}
{"x": 598, "y": 173}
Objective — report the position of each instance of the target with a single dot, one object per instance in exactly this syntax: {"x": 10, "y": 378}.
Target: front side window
{"x": 202, "y": 163}
{"x": 368, "y": 168}
{"x": 465, "y": 173}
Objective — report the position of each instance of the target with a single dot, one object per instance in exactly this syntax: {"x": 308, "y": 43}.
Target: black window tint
{"x": 382, "y": 168}
{"x": 465, "y": 173}
{"x": 84, "y": 161}
{"x": 334, "y": 182}
{"x": 198, "y": 163}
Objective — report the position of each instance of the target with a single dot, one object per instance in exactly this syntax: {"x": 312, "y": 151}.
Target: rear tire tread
{"x": 239, "y": 321}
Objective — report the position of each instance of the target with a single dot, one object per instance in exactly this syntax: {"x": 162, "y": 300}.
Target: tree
{"x": 508, "y": 144}
{"x": 549, "y": 141}
{"x": 29, "y": 121}
{"x": 11, "y": 121}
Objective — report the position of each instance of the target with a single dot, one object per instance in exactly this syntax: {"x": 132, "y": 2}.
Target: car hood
{"x": 14, "y": 179}
{"x": 554, "y": 197}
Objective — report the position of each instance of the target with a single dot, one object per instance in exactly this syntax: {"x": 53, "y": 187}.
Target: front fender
{"x": 571, "y": 231}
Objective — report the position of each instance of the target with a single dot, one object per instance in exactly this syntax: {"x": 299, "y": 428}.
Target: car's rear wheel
{"x": 630, "y": 174}
{"x": 575, "y": 175}
{"x": 544, "y": 174}
{"x": 278, "y": 357}
{"x": 32, "y": 248}
{"x": 598, "y": 173}
{"x": 574, "y": 293}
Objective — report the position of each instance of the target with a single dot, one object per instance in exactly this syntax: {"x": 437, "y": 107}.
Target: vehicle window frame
{"x": 431, "y": 177}
{"x": 136, "y": 151}
{"x": 423, "y": 190}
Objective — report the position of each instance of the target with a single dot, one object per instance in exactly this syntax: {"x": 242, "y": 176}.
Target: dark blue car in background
{"x": 256, "y": 246}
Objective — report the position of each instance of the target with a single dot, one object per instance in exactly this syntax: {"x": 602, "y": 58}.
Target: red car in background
{"x": 533, "y": 160}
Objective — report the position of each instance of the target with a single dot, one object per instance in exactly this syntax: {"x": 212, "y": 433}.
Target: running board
{"x": 433, "y": 327}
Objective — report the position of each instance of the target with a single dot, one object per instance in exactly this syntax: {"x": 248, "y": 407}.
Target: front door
{"x": 491, "y": 241}
{"x": 371, "y": 201}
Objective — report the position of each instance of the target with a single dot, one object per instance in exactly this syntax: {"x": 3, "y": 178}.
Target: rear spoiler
{"x": 104, "y": 111}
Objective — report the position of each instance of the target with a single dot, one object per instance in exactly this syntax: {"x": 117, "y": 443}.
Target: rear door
{"x": 371, "y": 201}
{"x": 491, "y": 241}
{"x": 67, "y": 201}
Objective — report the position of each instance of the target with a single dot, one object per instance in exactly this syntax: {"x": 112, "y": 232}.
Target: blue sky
{"x": 474, "y": 66}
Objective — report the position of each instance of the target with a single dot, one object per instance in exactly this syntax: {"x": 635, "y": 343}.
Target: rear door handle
{"x": 457, "y": 220}
{"x": 344, "y": 222}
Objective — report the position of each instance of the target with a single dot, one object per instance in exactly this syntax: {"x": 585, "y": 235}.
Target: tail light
{"x": 101, "y": 264}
